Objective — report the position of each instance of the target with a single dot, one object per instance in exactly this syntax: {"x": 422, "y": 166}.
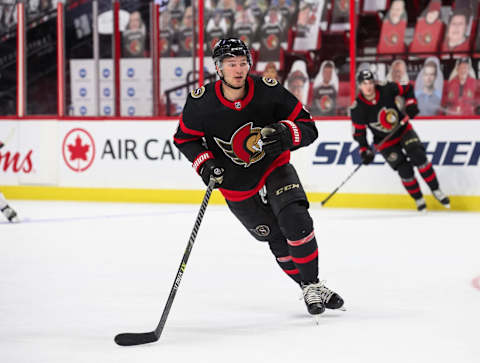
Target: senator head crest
{"x": 387, "y": 119}
{"x": 244, "y": 147}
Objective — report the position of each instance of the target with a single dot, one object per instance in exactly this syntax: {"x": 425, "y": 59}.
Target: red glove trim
{"x": 294, "y": 130}
{"x": 198, "y": 162}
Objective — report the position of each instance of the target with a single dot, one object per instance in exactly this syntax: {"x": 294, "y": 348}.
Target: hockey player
{"x": 241, "y": 130}
{"x": 7, "y": 211}
{"x": 375, "y": 109}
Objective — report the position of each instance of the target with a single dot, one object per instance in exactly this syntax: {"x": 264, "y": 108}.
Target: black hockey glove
{"x": 367, "y": 156}
{"x": 209, "y": 168}
{"x": 412, "y": 110}
{"x": 276, "y": 138}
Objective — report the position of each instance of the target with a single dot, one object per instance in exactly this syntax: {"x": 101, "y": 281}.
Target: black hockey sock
{"x": 287, "y": 265}
{"x": 411, "y": 184}
{"x": 428, "y": 174}
{"x": 304, "y": 254}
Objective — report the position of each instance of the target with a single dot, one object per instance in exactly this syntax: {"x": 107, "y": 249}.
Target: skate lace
{"x": 317, "y": 293}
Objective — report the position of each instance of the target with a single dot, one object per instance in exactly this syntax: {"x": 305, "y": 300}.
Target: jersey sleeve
{"x": 359, "y": 126}
{"x": 291, "y": 112}
{"x": 189, "y": 137}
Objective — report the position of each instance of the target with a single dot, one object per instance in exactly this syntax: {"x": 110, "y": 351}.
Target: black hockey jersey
{"x": 213, "y": 127}
{"x": 381, "y": 114}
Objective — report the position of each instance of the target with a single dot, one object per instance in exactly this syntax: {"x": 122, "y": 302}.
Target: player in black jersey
{"x": 244, "y": 128}
{"x": 375, "y": 109}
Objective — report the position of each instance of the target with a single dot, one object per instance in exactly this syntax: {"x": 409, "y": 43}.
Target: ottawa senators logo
{"x": 197, "y": 93}
{"x": 244, "y": 38}
{"x": 387, "y": 119}
{"x": 427, "y": 38}
{"x": 269, "y": 81}
{"x": 244, "y": 147}
{"x": 393, "y": 39}
{"x": 326, "y": 103}
{"x": 272, "y": 42}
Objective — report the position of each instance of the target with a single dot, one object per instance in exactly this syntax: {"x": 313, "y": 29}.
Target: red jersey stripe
{"x": 237, "y": 195}
{"x": 306, "y": 259}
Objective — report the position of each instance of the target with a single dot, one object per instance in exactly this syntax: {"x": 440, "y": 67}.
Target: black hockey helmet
{"x": 230, "y": 48}
{"x": 365, "y": 75}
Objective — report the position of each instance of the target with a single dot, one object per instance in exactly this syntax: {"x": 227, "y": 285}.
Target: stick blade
{"x": 128, "y": 339}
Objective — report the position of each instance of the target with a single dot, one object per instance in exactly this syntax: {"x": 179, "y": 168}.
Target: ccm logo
{"x": 286, "y": 188}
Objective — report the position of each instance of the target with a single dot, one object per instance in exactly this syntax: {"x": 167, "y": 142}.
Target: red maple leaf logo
{"x": 77, "y": 150}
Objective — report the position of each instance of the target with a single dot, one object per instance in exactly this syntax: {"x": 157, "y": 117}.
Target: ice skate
{"x": 10, "y": 214}
{"x": 441, "y": 197}
{"x": 313, "y": 297}
{"x": 330, "y": 299}
{"x": 421, "y": 205}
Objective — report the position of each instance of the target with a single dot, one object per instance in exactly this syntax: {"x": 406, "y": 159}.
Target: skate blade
{"x": 316, "y": 318}
{"x": 342, "y": 308}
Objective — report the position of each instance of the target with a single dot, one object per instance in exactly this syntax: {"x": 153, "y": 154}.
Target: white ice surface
{"x": 73, "y": 275}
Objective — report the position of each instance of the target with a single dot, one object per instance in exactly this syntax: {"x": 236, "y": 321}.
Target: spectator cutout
{"x": 325, "y": 90}
{"x": 271, "y": 34}
{"x": 185, "y": 34}
{"x": 429, "y": 30}
{"x": 460, "y": 97}
{"x": 297, "y": 81}
{"x": 166, "y": 35}
{"x": 340, "y": 15}
{"x": 392, "y": 35}
{"x": 308, "y": 22}
{"x": 216, "y": 30}
{"x": 398, "y": 73}
{"x": 270, "y": 71}
{"x": 176, "y": 10}
{"x": 458, "y": 30}
{"x": 134, "y": 37}
{"x": 429, "y": 88}
{"x": 245, "y": 26}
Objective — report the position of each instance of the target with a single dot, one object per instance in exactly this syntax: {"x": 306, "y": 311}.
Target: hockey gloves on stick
{"x": 210, "y": 169}
{"x": 367, "y": 156}
{"x": 276, "y": 138}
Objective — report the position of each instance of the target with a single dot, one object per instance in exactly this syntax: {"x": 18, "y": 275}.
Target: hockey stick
{"x": 375, "y": 150}
{"x": 126, "y": 339}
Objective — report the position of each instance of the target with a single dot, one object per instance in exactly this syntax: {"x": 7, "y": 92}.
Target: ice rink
{"x": 75, "y": 274}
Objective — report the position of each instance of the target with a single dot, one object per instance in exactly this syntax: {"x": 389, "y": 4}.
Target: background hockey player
{"x": 7, "y": 211}
{"x": 240, "y": 130}
{"x": 375, "y": 109}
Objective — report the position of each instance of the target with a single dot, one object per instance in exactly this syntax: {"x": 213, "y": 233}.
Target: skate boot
{"x": 331, "y": 299}
{"x": 441, "y": 197}
{"x": 421, "y": 205}
{"x": 313, "y": 298}
{"x": 10, "y": 214}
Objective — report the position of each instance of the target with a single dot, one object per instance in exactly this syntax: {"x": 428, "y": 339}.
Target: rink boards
{"x": 122, "y": 160}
